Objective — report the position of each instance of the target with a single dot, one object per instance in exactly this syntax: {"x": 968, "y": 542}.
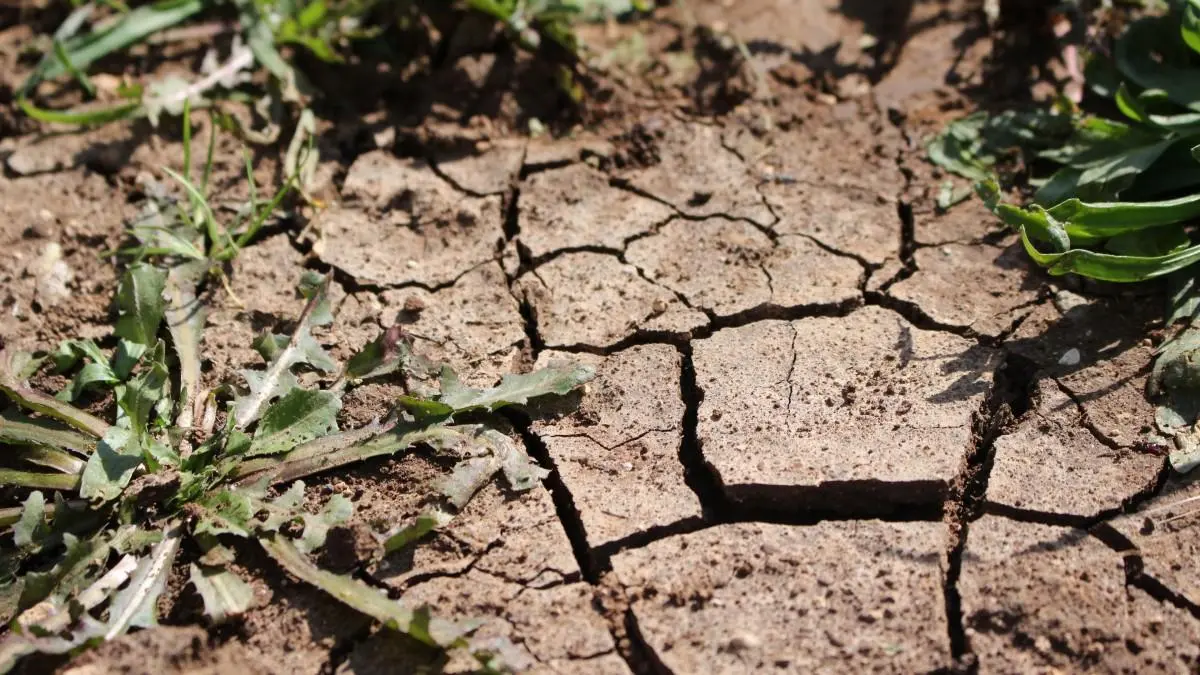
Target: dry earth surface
{"x": 833, "y": 429}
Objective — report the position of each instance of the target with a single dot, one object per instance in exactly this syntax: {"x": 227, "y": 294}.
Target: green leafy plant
{"x": 1124, "y": 197}
{"x": 88, "y": 563}
{"x": 268, "y": 32}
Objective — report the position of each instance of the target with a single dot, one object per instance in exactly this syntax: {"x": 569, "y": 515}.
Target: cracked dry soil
{"x": 832, "y": 430}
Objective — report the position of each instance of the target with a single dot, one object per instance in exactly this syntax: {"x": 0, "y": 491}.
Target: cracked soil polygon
{"x": 698, "y": 176}
{"x": 402, "y": 224}
{"x": 617, "y": 452}
{"x": 474, "y": 325}
{"x": 1166, "y": 532}
{"x": 595, "y": 299}
{"x": 992, "y": 286}
{"x": 1041, "y": 598}
{"x": 727, "y": 267}
{"x": 1052, "y": 464}
{"x": 1099, "y": 351}
{"x": 576, "y": 207}
{"x": 866, "y": 402}
{"x": 862, "y": 597}
{"x": 491, "y": 172}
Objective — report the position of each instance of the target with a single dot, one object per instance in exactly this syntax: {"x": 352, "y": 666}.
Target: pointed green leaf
{"x": 140, "y": 303}
{"x": 415, "y": 623}
{"x": 277, "y": 379}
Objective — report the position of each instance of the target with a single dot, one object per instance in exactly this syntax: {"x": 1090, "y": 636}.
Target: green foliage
{"x": 325, "y": 29}
{"x": 1123, "y": 200}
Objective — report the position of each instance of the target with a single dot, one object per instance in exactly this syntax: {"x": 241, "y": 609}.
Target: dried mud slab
{"x": 698, "y": 176}
{"x": 576, "y": 207}
{"x": 843, "y": 596}
{"x": 170, "y": 650}
{"x": 105, "y": 150}
{"x": 402, "y": 224}
{"x": 491, "y": 172}
{"x": 52, "y": 284}
{"x": 505, "y": 560}
{"x": 857, "y": 413}
{"x": 1052, "y": 464}
{"x": 835, "y": 179}
{"x": 985, "y": 289}
{"x": 778, "y": 29}
{"x": 617, "y": 446}
{"x": 1166, "y": 532}
{"x": 474, "y": 325}
{"x": 594, "y": 299}
{"x": 729, "y": 267}
{"x": 1098, "y": 350}
{"x": 557, "y": 626}
{"x": 1039, "y": 598}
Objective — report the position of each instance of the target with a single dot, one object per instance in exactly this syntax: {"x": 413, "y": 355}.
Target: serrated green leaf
{"x": 513, "y": 389}
{"x": 140, "y": 303}
{"x": 277, "y": 380}
{"x": 337, "y": 511}
{"x": 416, "y": 623}
{"x": 298, "y": 417}
{"x": 74, "y": 570}
{"x": 226, "y": 511}
{"x": 223, "y": 592}
{"x": 137, "y": 604}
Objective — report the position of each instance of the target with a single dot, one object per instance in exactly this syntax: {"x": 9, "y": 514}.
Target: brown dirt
{"x": 832, "y": 429}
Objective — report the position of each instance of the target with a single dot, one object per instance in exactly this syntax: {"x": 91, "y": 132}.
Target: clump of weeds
{"x": 104, "y": 502}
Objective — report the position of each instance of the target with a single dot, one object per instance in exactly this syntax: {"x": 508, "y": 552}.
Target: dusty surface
{"x": 833, "y": 429}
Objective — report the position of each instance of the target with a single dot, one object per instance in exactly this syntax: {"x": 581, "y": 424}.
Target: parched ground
{"x": 833, "y": 430}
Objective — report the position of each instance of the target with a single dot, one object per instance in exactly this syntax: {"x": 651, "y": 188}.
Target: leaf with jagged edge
{"x": 484, "y": 452}
{"x": 513, "y": 389}
{"x": 300, "y": 416}
{"x": 224, "y": 593}
{"x": 137, "y": 604}
{"x": 337, "y": 510}
{"x": 277, "y": 380}
{"x": 414, "y": 622}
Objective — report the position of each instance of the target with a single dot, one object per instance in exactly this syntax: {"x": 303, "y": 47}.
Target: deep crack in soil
{"x": 833, "y": 428}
